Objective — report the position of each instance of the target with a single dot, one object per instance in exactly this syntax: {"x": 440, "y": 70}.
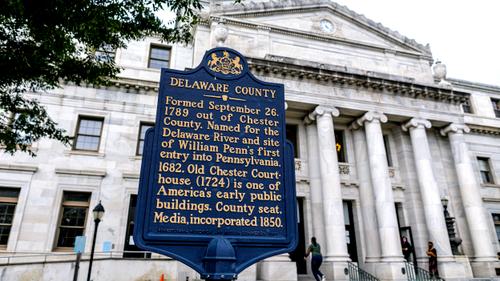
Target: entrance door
{"x": 298, "y": 254}
{"x": 350, "y": 231}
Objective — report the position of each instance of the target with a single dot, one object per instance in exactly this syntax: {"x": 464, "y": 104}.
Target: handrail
{"x": 358, "y": 274}
{"x": 11, "y": 258}
{"x": 415, "y": 273}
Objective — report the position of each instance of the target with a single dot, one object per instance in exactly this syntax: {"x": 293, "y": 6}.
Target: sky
{"x": 464, "y": 35}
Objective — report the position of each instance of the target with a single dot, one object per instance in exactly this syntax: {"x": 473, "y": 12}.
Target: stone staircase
{"x": 303, "y": 277}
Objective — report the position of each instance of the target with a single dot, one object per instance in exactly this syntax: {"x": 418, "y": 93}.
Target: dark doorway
{"x": 406, "y": 231}
{"x": 131, "y": 250}
{"x": 298, "y": 254}
{"x": 350, "y": 231}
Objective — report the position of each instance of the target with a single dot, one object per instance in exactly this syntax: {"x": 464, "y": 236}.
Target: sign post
{"x": 78, "y": 248}
{"x": 217, "y": 184}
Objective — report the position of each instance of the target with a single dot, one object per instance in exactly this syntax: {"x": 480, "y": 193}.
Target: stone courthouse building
{"x": 385, "y": 146}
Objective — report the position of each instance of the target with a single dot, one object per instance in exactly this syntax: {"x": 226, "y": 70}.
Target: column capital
{"x": 307, "y": 120}
{"x": 371, "y": 116}
{"x": 455, "y": 128}
{"x": 416, "y": 123}
{"x": 354, "y": 126}
{"x": 321, "y": 110}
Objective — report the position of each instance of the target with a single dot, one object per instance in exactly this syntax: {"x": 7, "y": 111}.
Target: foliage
{"x": 43, "y": 42}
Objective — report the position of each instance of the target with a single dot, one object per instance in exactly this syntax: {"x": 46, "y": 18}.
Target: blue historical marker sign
{"x": 217, "y": 185}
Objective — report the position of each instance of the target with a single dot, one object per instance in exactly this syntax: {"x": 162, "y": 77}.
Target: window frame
{"x": 388, "y": 153}
{"x": 490, "y": 170}
{"x": 77, "y": 134}
{"x": 105, "y": 51}
{"x": 296, "y": 144}
{"x": 142, "y": 123}
{"x": 343, "y": 148}
{"x": 159, "y": 46}
{"x": 71, "y": 203}
{"x": 10, "y": 200}
{"x": 495, "y": 104}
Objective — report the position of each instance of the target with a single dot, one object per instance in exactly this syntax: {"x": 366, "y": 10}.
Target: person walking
{"x": 432, "y": 254}
{"x": 316, "y": 259}
{"x": 407, "y": 248}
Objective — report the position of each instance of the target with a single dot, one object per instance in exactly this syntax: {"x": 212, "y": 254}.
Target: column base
{"x": 278, "y": 268}
{"x": 335, "y": 270}
{"x": 484, "y": 269}
{"x": 457, "y": 269}
{"x": 392, "y": 271}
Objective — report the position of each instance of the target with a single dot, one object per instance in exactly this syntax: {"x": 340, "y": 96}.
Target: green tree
{"x": 44, "y": 42}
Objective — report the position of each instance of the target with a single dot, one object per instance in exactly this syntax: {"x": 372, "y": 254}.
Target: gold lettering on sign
{"x": 219, "y": 160}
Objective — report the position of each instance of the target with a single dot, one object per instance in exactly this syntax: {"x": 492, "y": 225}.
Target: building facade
{"x": 385, "y": 146}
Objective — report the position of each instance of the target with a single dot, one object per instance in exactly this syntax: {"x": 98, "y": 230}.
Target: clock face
{"x": 326, "y": 25}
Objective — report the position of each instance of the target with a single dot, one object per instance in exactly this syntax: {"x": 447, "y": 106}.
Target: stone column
{"x": 318, "y": 221}
{"x": 381, "y": 182}
{"x": 366, "y": 198}
{"x": 391, "y": 254}
{"x": 429, "y": 189}
{"x": 431, "y": 199}
{"x": 335, "y": 253}
{"x": 484, "y": 254}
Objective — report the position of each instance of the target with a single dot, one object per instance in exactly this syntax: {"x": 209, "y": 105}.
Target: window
{"x": 466, "y": 108}
{"x": 340, "y": 146}
{"x": 74, "y": 211}
{"x": 388, "y": 150}
{"x": 496, "y": 106}
{"x": 496, "y": 221}
{"x": 159, "y": 56}
{"x": 142, "y": 134}
{"x": 484, "y": 170}
{"x": 105, "y": 54}
{"x": 291, "y": 135}
{"x": 88, "y": 134}
{"x": 8, "y": 202}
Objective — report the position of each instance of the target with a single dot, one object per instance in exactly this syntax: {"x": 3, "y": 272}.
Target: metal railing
{"x": 418, "y": 274}
{"x": 358, "y": 274}
{"x": 12, "y": 258}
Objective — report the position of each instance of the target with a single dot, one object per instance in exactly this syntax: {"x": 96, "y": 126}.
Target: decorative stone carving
{"x": 372, "y": 116}
{"x": 298, "y": 165}
{"x": 320, "y": 110}
{"x": 344, "y": 169}
{"x": 220, "y": 33}
{"x": 455, "y": 128}
{"x": 416, "y": 123}
{"x": 392, "y": 172}
{"x": 439, "y": 70}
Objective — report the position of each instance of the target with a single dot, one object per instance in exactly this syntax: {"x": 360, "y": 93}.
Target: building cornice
{"x": 295, "y": 69}
{"x": 314, "y": 36}
{"x": 474, "y": 86}
{"x": 124, "y": 84}
{"x": 337, "y": 75}
{"x": 482, "y": 130}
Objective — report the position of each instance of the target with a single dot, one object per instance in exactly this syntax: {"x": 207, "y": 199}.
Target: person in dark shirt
{"x": 316, "y": 259}
{"x": 407, "y": 248}
{"x": 433, "y": 265}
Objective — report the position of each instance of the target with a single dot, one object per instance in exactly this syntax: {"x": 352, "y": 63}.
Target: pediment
{"x": 324, "y": 18}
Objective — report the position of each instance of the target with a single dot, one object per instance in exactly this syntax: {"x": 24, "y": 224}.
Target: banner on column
{"x": 217, "y": 184}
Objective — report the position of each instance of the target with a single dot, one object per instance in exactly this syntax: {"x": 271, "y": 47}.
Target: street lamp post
{"x": 98, "y": 213}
